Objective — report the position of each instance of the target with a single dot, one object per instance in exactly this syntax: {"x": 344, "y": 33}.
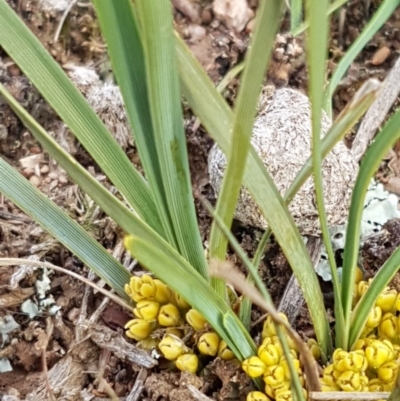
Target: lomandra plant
{"x": 154, "y": 68}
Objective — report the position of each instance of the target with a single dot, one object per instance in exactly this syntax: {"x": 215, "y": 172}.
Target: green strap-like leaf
{"x": 67, "y": 231}
{"x": 376, "y": 152}
{"x": 379, "y": 18}
{"x": 267, "y": 24}
{"x": 217, "y": 118}
{"x": 120, "y": 31}
{"x": 156, "y": 29}
{"x": 51, "y": 81}
{"x": 317, "y": 48}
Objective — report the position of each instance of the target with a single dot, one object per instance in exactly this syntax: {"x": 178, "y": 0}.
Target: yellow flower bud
{"x": 172, "y": 347}
{"x": 283, "y": 395}
{"x": 128, "y": 290}
{"x": 138, "y": 329}
{"x": 364, "y": 382}
{"x": 375, "y": 385}
{"x": 169, "y": 315}
{"x": 224, "y": 352}
{"x": 362, "y": 343}
{"x": 374, "y": 317}
{"x": 141, "y": 288}
{"x": 314, "y": 348}
{"x": 268, "y": 354}
{"x": 187, "y": 363}
{"x": 387, "y": 372}
{"x": 388, "y": 327}
{"x": 377, "y": 353}
{"x": 274, "y": 375}
{"x": 387, "y": 300}
{"x": 397, "y": 303}
{"x": 354, "y": 361}
{"x": 208, "y": 344}
{"x": 330, "y": 375}
{"x": 362, "y": 288}
{"x": 388, "y": 387}
{"x": 396, "y": 350}
{"x": 256, "y": 396}
{"x": 269, "y": 329}
{"x": 325, "y": 386}
{"x": 182, "y": 304}
{"x": 275, "y": 340}
{"x": 253, "y": 367}
{"x": 147, "y": 310}
{"x": 284, "y": 363}
{"x": 359, "y": 275}
{"x": 338, "y": 355}
{"x": 349, "y": 381}
{"x": 269, "y": 391}
{"x": 148, "y": 343}
{"x": 196, "y": 319}
{"x": 163, "y": 294}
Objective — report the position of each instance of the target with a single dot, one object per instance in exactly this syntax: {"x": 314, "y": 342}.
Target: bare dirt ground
{"x": 83, "y": 338}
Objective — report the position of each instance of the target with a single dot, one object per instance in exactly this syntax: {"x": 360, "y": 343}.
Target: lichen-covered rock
{"x": 282, "y": 139}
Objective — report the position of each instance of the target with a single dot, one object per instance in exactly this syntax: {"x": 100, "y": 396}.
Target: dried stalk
{"x": 226, "y": 271}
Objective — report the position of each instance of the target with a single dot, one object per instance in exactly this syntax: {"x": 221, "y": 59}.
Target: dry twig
{"x": 226, "y": 271}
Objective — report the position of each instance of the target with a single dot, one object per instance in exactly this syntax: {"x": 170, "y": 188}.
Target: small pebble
{"x": 28, "y": 172}
{"x": 45, "y": 169}
{"x": 380, "y": 55}
{"x": 53, "y": 175}
{"x": 206, "y": 16}
{"x": 13, "y": 391}
{"x": 35, "y": 150}
{"x": 196, "y": 32}
{"x": 35, "y": 180}
{"x": 62, "y": 179}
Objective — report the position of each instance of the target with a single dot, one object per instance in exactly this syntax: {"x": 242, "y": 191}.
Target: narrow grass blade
{"x": 158, "y": 41}
{"x": 176, "y": 272}
{"x": 376, "y": 152}
{"x": 335, "y": 5}
{"x": 245, "y": 305}
{"x": 20, "y": 191}
{"x": 383, "y": 13}
{"x": 51, "y": 81}
{"x": 317, "y": 43}
{"x": 217, "y": 117}
{"x": 267, "y": 23}
{"x": 296, "y": 8}
{"x": 360, "y": 313}
{"x": 127, "y": 220}
{"x": 120, "y": 31}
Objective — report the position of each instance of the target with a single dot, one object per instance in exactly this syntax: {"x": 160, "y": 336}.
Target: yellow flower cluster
{"x": 271, "y": 364}
{"x": 157, "y": 307}
{"x": 371, "y": 365}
